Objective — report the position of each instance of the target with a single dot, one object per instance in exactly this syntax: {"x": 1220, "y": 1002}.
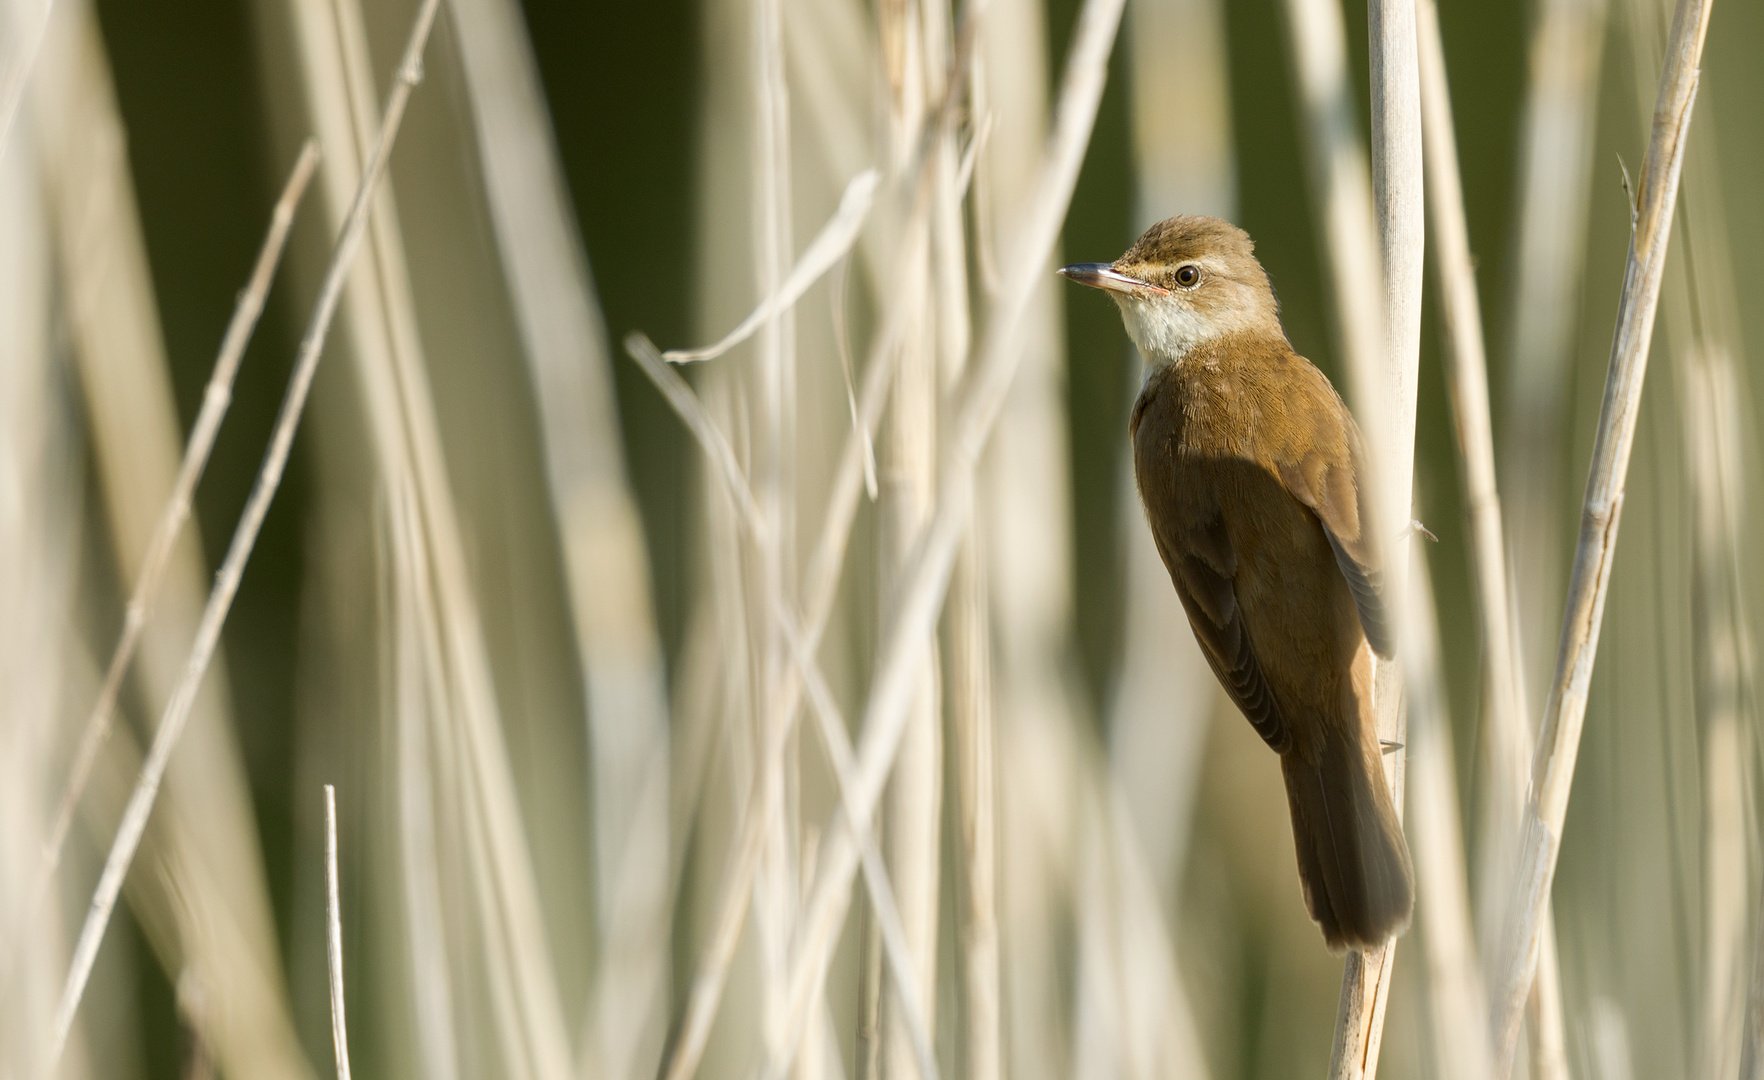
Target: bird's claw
{"x": 1388, "y": 746}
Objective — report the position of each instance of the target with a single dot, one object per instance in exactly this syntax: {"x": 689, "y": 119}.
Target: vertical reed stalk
{"x": 1503, "y": 685}
{"x": 229, "y": 942}
{"x": 907, "y": 480}
{"x": 1455, "y": 996}
{"x": 334, "y": 938}
{"x": 921, "y": 593}
{"x": 177, "y": 711}
{"x": 607, "y": 566}
{"x": 1378, "y": 332}
{"x": 1558, "y": 126}
{"x": 157, "y": 559}
{"x": 1559, "y": 738}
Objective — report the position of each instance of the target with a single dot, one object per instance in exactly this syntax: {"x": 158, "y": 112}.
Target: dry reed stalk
{"x": 976, "y": 807}
{"x": 227, "y": 937}
{"x": 1701, "y": 313}
{"x": 1504, "y": 707}
{"x": 920, "y": 596}
{"x": 1559, "y": 738}
{"x": 394, "y": 391}
{"x": 619, "y": 654}
{"x": 334, "y": 938}
{"x": 157, "y": 558}
{"x": 177, "y": 711}
{"x": 906, "y": 474}
{"x": 803, "y": 675}
{"x": 20, "y": 60}
{"x": 1717, "y": 482}
{"x": 39, "y": 534}
{"x": 821, "y": 583}
{"x": 1455, "y": 996}
{"x": 1507, "y": 727}
{"x": 1380, "y": 345}
{"x": 1558, "y": 128}
{"x": 413, "y": 686}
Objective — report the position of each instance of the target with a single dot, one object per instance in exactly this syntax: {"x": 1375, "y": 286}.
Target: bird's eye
{"x": 1187, "y": 275}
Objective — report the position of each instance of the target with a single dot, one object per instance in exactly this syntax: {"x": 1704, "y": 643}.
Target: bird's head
{"x": 1188, "y": 281}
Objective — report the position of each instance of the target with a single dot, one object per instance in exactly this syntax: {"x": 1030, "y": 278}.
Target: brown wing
{"x": 1203, "y": 574}
{"x": 1326, "y": 479}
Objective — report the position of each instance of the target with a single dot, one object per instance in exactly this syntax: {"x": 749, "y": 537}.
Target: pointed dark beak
{"x": 1104, "y": 276}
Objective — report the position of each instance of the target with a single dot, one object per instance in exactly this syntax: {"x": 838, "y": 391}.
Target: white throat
{"x": 1165, "y": 332}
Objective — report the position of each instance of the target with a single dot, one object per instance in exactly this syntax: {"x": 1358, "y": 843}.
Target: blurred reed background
{"x": 602, "y": 691}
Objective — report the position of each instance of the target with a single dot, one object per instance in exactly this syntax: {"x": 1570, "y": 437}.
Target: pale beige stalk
{"x": 906, "y": 474}
{"x": 1460, "y": 1024}
{"x": 251, "y": 521}
{"x": 1377, "y": 330}
{"x": 197, "y": 447}
{"x": 1559, "y": 737}
{"x": 213, "y": 918}
{"x": 334, "y": 938}
{"x": 1711, "y": 394}
{"x": 1553, "y": 200}
{"x": 393, "y": 391}
{"x": 1456, "y": 999}
{"x": 607, "y": 566}
{"x": 922, "y": 590}
{"x": 40, "y": 466}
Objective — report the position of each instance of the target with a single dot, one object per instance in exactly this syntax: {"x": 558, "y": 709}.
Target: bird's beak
{"x": 1104, "y": 276}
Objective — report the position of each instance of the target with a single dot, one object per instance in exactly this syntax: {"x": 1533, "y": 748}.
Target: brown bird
{"x": 1250, "y": 470}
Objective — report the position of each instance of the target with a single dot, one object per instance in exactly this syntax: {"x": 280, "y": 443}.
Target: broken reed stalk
{"x": 1559, "y": 738}
{"x": 220, "y": 600}
{"x": 215, "y": 400}
{"x": 334, "y": 937}
{"x": 920, "y": 596}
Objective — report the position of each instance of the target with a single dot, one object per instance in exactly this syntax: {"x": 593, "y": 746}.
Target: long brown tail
{"x": 1351, "y": 855}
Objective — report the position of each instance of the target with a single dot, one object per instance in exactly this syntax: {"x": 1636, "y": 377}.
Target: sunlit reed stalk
{"x": 215, "y": 400}
{"x": 619, "y": 653}
{"x": 821, "y": 579}
{"x": 907, "y": 464}
{"x": 921, "y": 592}
{"x": 108, "y": 301}
{"x": 1503, "y": 696}
{"x": 413, "y": 678}
{"x": 1717, "y": 478}
{"x": 803, "y": 674}
{"x": 392, "y": 378}
{"x": 334, "y": 938}
{"x": 275, "y": 462}
{"x": 20, "y": 60}
{"x": 1377, "y": 330}
{"x": 1455, "y": 996}
{"x": 1559, "y": 737}
{"x": 1548, "y": 229}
